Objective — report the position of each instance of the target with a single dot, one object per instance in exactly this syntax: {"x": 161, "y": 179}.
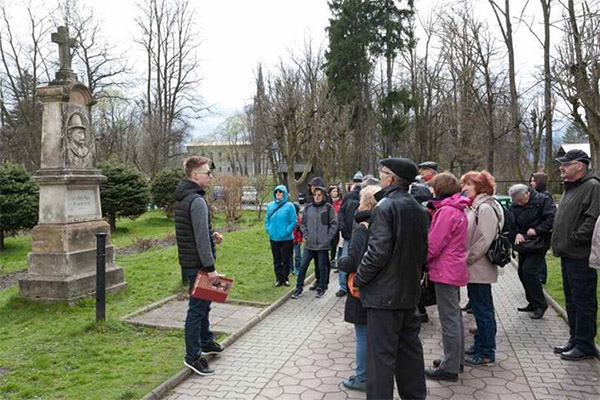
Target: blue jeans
{"x": 297, "y": 256}
{"x": 482, "y": 304}
{"x": 361, "y": 351}
{"x": 579, "y": 284}
{"x": 197, "y": 326}
{"x": 342, "y": 276}
{"x": 320, "y": 257}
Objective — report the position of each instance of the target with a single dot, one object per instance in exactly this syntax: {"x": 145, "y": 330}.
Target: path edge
{"x": 161, "y": 390}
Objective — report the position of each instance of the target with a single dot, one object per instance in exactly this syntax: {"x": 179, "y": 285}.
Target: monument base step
{"x": 50, "y": 289}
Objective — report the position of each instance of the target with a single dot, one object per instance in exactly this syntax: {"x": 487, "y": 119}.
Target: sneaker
{"x": 286, "y": 283}
{"x": 478, "y": 359}
{"x": 441, "y": 375}
{"x": 214, "y": 348}
{"x": 277, "y": 284}
{"x": 354, "y": 383}
{"x": 297, "y": 293}
{"x": 470, "y": 350}
{"x": 200, "y": 366}
{"x": 320, "y": 293}
{"x": 340, "y": 293}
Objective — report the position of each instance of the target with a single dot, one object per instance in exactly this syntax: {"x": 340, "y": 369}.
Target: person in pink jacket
{"x": 447, "y": 268}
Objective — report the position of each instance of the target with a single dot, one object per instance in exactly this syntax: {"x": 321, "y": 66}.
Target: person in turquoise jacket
{"x": 280, "y": 221}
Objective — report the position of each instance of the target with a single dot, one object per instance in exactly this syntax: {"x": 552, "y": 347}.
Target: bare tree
{"x": 168, "y": 35}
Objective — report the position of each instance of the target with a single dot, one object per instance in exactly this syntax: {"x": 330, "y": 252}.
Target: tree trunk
{"x": 2, "y": 240}
{"x": 112, "y": 221}
{"x": 549, "y": 164}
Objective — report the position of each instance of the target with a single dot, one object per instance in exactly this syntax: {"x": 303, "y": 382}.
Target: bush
{"x": 124, "y": 193}
{"x": 163, "y": 187}
{"x": 19, "y": 200}
{"x": 230, "y": 201}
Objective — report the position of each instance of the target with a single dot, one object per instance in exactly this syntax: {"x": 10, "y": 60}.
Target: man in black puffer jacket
{"x": 196, "y": 248}
{"x": 389, "y": 281}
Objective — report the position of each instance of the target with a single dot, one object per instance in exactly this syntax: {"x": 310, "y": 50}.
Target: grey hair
{"x": 518, "y": 191}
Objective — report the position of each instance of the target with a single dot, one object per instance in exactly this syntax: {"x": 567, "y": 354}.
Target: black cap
{"x": 403, "y": 167}
{"x": 574, "y": 155}
{"x": 317, "y": 181}
{"x": 429, "y": 164}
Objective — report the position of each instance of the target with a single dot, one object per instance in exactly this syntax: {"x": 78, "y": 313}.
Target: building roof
{"x": 565, "y": 148}
{"x": 216, "y": 144}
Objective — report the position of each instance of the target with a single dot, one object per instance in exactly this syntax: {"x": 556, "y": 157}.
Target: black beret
{"x": 403, "y": 167}
{"x": 429, "y": 164}
{"x": 574, "y": 155}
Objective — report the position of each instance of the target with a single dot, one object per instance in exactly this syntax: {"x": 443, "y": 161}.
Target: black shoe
{"x": 424, "y": 318}
{"x": 277, "y": 284}
{"x": 200, "y": 366}
{"x": 576, "y": 355}
{"x": 527, "y": 308}
{"x": 297, "y": 293}
{"x": 314, "y": 286}
{"x": 439, "y": 375}
{"x": 438, "y": 362}
{"x": 539, "y": 313}
{"x": 563, "y": 348}
{"x": 215, "y": 348}
{"x": 286, "y": 283}
{"x": 340, "y": 293}
{"x": 320, "y": 293}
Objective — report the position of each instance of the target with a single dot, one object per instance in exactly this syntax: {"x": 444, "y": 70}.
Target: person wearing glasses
{"x": 388, "y": 278}
{"x": 196, "y": 242}
{"x": 572, "y": 232}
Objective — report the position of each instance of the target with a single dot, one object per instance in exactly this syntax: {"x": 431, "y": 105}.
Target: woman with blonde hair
{"x": 354, "y": 311}
{"x": 485, "y": 216}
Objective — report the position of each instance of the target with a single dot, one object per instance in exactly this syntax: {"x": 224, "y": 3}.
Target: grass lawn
{"x": 55, "y": 352}
{"x": 554, "y": 286}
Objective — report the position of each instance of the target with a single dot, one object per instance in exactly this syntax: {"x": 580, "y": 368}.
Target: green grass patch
{"x": 555, "y": 289}
{"x": 151, "y": 225}
{"x": 54, "y": 351}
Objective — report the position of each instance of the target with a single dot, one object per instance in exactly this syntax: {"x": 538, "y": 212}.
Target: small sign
{"x": 81, "y": 203}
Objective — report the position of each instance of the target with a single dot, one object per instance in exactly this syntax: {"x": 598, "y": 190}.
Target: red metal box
{"x": 216, "y": 290}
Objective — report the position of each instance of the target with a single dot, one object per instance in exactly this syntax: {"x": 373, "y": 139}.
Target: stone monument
{"x": 62, "y": 263}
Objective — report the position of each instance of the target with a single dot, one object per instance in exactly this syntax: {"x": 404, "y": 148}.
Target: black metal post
{"x": 100, "y": 276}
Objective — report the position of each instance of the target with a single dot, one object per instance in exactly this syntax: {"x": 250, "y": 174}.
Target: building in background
{"x": 234, "y": 159}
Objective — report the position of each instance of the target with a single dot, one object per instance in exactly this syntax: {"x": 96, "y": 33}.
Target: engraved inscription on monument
{"x": 81, "y": 202}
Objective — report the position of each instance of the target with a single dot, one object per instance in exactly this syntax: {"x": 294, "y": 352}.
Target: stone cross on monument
{"x": 62, "y": 262}
{"x": 65, "y": 43}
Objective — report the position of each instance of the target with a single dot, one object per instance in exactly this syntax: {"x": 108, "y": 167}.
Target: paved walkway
{"x": 304, "y": 349}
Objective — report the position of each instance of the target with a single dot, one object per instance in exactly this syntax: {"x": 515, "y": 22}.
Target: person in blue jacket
{"x": 280, "y": 221}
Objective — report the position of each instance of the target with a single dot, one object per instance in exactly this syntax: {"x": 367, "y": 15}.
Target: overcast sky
{"x": 239, "y": 34}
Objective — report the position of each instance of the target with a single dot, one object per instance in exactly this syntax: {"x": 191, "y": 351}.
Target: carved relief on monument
{"x": 79, "y": 141}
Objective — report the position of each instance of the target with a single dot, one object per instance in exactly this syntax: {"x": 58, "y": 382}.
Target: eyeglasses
{"x": 209, "y": 172}
{"x": 384, "y": 172}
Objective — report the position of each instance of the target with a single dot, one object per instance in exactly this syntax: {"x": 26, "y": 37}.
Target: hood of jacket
{"x": 286, "y": 196}
{"x": 361, "y": 216}
{"x": 187, "y": 187}
{"x": 457, "y": 201}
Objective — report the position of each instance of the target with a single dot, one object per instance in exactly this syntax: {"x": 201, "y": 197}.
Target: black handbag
{"x": 531, "y": 244}
{"x": 427, "y": 292}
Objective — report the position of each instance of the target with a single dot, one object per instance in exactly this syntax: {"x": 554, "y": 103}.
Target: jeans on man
{"x": 197, "y": 325}
{"x": 297, "y": 257}
{"x": 482, "y": 303}
{"x": 320, "y": 257}
{"x": 580, "y": 283}
{"x": 529, "y": 274}
{"x": 282, "y": 258}
{"x": 361, "y": 351}
{"x": 394, "y": 350}
{"x": 342, "y": 276}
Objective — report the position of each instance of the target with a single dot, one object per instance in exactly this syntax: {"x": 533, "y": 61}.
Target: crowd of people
{"x": 389, "y": 235}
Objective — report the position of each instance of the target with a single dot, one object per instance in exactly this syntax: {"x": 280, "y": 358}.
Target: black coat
{"x": 346, "y": 213}
{"x": 389, "y": 273}
{"x": 538, "y": 214}
{"x": 575, "y": 218}
{"x": 354, "y": 311}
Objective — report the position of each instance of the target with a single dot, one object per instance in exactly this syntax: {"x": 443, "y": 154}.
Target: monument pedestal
{"x": 62, "y": 263}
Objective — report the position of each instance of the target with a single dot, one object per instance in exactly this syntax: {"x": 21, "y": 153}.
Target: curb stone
{"x": 158, "y": 392}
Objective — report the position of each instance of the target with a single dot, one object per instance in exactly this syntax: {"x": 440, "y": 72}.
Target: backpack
{"x": 500, "y": 252}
